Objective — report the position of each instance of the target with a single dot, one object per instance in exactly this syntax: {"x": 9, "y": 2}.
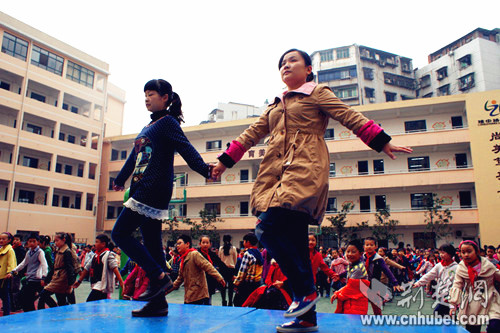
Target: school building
{"x": 456, "y": 143}
{"x": 56, "y": 106}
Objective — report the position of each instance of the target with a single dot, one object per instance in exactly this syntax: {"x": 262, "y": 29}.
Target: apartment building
{"x": 456, "y": 144}
{"x": 56, "y": 105}
{"x": 469, "y": 64}
{"x": 361, "y": 75}
{"x": 233, "y": 111}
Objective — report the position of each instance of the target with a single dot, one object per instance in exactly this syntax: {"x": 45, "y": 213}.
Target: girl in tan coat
{"x": 64, "y": 275}
{"x": 291, "y": 188}
{"x": 473, "y": 292}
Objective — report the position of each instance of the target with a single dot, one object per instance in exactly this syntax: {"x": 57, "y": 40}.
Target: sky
{"x": 228, "y": 51}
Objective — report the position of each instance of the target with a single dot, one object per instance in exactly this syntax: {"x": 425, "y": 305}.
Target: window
{"x": 389, "y": 96}
{"x": 213, "y": 208}
{"x": 55, "y": 200}
{"x": 74, "y": 109}
{"x": 331, "y": 205}
{"x": 214, "y": 145}
{"x": 465, "y": 199}
{"x": 181, "y": 179}
{"x": 38, "y": 97}
{"x": 244, "y": 208}
{"x": 68, "y": 169}
{"x": 415, "y": 126}
{"x": 30, "y": 162}
{"x": 465, "y": 61}
{"x": 47, "y": 60}
{"x": 342, "y": 53}
{"x": 34, "y": 129}
{"x": 346, "y": 92}
{"x": 80, "y": 74}
{"x": 78, "y": 201}
{"x": 329, "y": 134}
{"x": 58, "y": 167}
{"x": 114, "y": 154}
{"x": 123, "y": 155}
{"x": 418, "y": 163}
{"x": 444, "y": 90}
{"x": 380, "y": 202}
{"x": 90, "y": 201}
{"x": 466, "y": 82}
{"x": 111, "y": 181}
{"x": 378, "y": 166}
{"x": 362, "y": 167}
{"x": 457, "y": 122}
{"x": 26, "y": 196}
{"x": 326, "y": 55}
{"x": 442, "y": 73}
{"x": 369, "y": 92}
{"x": 243, "y": 176}
{"x": 62, "y": 136}
{"x": 364, "y": 203}
{"x": 14, "y": 46}
{"x": 421, "y": 200}
{"x": 461, "y": 160}
{"x": 65, "y": 106}
{"x": 71, "y": 138}
{"x": 425, "y": 81}
{"x": 337, "y": 74}
{"x": 65, "y": 201}
{"x": 110, "y": 213}
{"x": 332, "y": 170}
{"x": 368, "y": 73}
{"x": 79, "y": 172}
{"x": 4, "y": 85}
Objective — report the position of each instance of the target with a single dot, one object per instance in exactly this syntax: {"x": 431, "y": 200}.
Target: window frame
{"x": 19, "y": 45}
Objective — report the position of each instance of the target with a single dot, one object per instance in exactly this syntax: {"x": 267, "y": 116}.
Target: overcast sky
{"x": 222, "y": 51}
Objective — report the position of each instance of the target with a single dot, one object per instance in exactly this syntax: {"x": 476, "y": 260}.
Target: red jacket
{"x": 136, "y": 283}
{"x": 317, "y": 262}
{"x": 350, "y": 300}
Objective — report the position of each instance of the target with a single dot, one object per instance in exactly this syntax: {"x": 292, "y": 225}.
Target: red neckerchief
{"x": 184, "y": 257}
{"x": 472, "y": 273}
{"x": 368, "y": 257}
{"x": 206, "y": 255}
{"x": 98, "y": 255}
{"x": 446, "y": 263}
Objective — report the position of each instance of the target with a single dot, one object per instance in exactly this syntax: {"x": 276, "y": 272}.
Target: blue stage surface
{"x": 114, "y": 316}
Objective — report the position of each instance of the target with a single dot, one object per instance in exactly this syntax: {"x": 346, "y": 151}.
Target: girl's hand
{"x": 452, "y": 312}
{"x": 117, "y": 188}
{"x": 333, "y": 298}
{"x": 389, "y": 149}
{"x": 398, "y": 288}
{"x": 218, "y": 170}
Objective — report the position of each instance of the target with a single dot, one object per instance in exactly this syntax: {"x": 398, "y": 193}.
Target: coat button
{"x": 278, "y": 177}
{"x": 279, "y": 154}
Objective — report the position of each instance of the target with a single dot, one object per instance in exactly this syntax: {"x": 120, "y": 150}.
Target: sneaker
{"x": 155, "y": 288}
{"x": 157, "y": 307}
{"x": 297, "y": 326}
{"x": 298, "y": 308}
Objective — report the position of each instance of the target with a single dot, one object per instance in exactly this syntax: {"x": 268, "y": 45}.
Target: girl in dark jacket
{"x": 151, "y": 164}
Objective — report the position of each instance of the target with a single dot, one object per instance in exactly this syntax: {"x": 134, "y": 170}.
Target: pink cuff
{"x": 235, "y": 151}
{"x": 369, "y": 131}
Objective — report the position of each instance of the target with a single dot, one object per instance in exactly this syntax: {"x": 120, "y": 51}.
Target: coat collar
{"x": 5, "y": 249}
{"x": 306, "y": 89}
{"x": 63, "y": 248}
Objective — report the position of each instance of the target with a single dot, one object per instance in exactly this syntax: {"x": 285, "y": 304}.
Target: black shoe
{"x": 157, "y": 307}
{"x": 155, "y": 288}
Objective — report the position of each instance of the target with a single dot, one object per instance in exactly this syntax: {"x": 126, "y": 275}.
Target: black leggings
{"x": 45, "y": 298}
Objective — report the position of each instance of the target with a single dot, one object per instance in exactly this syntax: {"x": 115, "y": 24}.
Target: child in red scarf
{"x": 351, "y": 299}
{"x": 103, "y": 268}
{"x": 473, "y": 292}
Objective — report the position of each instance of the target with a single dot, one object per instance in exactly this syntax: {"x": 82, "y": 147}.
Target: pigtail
{"x": 175, "y": 108}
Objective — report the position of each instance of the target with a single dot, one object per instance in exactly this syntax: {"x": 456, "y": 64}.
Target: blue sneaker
{"x": 297, "y": 326}
{"x": 298, "y": 308}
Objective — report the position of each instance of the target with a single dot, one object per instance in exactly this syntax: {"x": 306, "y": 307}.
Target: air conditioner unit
{"x": 346, "y": 77}
{"x": 372, "y": 99}
{"x": 451, "y": 54}
{"x": 440, "y": 76}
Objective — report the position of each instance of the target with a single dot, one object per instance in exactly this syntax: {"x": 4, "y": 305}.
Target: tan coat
{"x": 193, "y": 276}
{"x": 62, "y": 264}
{"x": 483, "y": 298}
{"x": 295, "y": 169}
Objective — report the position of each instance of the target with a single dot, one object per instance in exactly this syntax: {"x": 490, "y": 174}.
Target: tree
{"x": 173, "y": 231}
{"x": 384, "y": 226}
{"x": 437, "y": 219}
{"x": 353, "y": 232}
{"x": 206, "y": 225}
{"x": 339, "y": 222}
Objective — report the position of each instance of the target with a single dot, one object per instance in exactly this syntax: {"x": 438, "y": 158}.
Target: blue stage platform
{"x": 114, "y": 316}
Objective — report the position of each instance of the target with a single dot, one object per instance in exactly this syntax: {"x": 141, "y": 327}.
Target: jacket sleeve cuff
{"x": 226, "y": 160}
{"x": 379, "y": 141}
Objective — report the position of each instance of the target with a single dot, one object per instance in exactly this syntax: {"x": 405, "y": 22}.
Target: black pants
{"x": 442, "y": 310}
{"x": 244, "y": 290}
{"x": 493, "y": 327}
{"x": 45, "y": 298}
{"x": 27, "y": 295}
{"x": 203, "y": 301}
{"x": 96, "y": 295}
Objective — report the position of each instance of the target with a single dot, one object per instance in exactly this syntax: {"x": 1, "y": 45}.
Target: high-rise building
{"x": 469, "y": 64}
{"x": 456, "y": 143}
{"x": 360, "y": 75}
{"x": 233, "y": 111}
{"x": 56, "y": 105}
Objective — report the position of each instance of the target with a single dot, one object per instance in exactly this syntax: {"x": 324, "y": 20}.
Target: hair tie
{"x": 468, "y": 242}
